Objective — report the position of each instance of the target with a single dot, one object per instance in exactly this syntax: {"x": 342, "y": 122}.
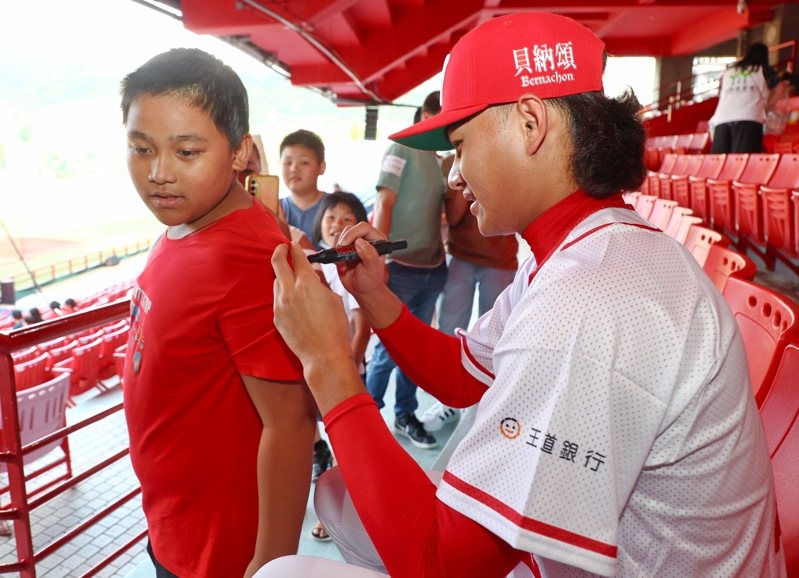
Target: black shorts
{"x": 160, "y": 571}
{"x": 742, "y": 136}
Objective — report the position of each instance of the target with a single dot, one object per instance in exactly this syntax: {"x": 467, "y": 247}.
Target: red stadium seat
{"x": 686, "y": 224}
{"x": 682, "y": 142}
{"x": 24, "y": 355}
{"x": 748, "y": 223}
{"x": 33, "y": 372}
{"x": 700, "y": 143}
{"x": 93, "y": 335}
{"x": 119, "y": 360}
{"x": 631, "y": 197}
{"x": 645, "y": 205}
{"x": 795, "y": 201}
{"x": 678, "y": 182}
{"x": 53, "y": 343}
{"x": 111, "y": 342}
{"x": 723, "y": 263}
{"x": 756, "y": 170}
{"x": 63, "y": 352}
{"x": 653, "y": 177}
{"x": 665, "y": 146}
{"x": 713, "y": 167}
{"x": 42, "y": 411}
{"x": 778, "y": 228}
{"x": 677, "y": 215}
{"x": 768, "y": 322}
{"x": 699, "y": 240}
{"x": 680, "y": 167}
{"x": 83, "y": 367}
{"x": 661, "y": 213}
{"x": 780, "y": 416}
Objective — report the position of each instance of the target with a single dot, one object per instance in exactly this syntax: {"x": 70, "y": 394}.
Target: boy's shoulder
{"x": 254, "y": 226}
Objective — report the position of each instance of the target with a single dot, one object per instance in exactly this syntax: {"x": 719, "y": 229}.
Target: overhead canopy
{"x": 373, "y": 51}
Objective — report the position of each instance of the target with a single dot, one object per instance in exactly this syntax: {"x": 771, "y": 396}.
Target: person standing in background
{"x": 485, "y": 265}
{"x": 743, "y": 97}
{"x": 410, "y": 192}
{"x": 302, "y": 162}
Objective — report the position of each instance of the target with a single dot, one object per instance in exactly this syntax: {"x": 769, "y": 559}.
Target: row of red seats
{"x": 107, "y": 295}
{"x": 88, "y": 357}
{"x": 716, "y": 255}
{"x": 769, "y": 325}
{"x": 657, "y": 147}
{"x": 753, "y": 198}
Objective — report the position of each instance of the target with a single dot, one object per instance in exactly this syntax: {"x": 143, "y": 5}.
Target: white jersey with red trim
{"x": 619, "y": 435}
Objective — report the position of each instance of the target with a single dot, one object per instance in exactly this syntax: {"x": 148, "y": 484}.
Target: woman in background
{"x": 743, "y": 96}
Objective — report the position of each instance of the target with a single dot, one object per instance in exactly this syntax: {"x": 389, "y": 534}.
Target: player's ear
{"x": 534, "y": 116}
{"x": 241, "y": 154}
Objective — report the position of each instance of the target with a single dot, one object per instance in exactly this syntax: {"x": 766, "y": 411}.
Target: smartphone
{"x": 265, "y": 189}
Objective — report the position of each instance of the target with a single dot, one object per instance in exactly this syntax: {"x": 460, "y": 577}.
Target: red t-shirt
{"x": 201, "y": 317}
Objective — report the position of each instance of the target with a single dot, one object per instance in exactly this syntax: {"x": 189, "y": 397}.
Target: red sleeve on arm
{"x": 416, "y": 535}
{"x": 431, "y": 359}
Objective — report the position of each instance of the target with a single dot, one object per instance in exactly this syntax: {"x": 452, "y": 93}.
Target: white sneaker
{"x": 439, "y": 415}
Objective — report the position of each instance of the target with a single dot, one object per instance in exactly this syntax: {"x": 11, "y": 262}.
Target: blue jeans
{"x": 417, "y": 288}
{"x": 457, "y": 300}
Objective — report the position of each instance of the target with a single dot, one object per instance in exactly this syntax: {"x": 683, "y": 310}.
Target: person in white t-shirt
{"x": 743, "y": 98}
{"x": 616, "y": 432}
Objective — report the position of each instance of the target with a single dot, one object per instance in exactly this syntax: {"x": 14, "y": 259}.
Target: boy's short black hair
{"x": 306, "y": 138}
{"x": 432, "y": 103}
{"x": 202, "y": 79}
{"x": 331, "y": 200}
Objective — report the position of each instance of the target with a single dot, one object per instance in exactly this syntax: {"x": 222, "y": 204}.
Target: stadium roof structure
{"x": 361, "y": 52}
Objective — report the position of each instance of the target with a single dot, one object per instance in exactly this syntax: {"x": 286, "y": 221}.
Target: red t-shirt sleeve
{"x": 416, "y": 535}
{"x": 246, "y": 320}
{"x": 431, "y": 359}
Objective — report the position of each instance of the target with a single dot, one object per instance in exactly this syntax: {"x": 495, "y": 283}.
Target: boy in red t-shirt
{"x": 216, "y": 408}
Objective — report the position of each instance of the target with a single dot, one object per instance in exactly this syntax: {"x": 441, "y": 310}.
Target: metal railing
{"x": 21, "y": 504}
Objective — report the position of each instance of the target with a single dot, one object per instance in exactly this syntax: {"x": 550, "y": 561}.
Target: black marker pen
{"x": 348, "y": 252}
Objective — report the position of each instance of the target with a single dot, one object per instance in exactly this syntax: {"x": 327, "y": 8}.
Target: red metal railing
{"x": 21, "y": 504}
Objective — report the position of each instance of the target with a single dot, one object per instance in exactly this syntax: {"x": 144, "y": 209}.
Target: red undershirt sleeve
{"x": 431, "y": 359}
{"x": 416, "y": 534}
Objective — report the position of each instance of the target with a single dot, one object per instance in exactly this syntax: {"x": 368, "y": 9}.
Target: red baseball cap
{"x": 533, "y": 52}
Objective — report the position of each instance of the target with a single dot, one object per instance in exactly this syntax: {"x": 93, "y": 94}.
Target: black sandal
{"x": 320, "y": 533}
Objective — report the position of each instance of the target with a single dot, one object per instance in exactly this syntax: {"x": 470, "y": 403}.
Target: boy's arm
{"x": 288, "y": 413}
{"x": 383, "y": 206}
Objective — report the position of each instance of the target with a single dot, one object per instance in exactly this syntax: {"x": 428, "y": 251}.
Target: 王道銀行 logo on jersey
{"x": 544, "y": 64}
{"x": 559, "y": 447}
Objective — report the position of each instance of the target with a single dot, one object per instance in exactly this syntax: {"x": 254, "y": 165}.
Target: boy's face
{"x": 301, "y": 169}
{"x": 334, "y": 220}
{"x": 181, "y": 165}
